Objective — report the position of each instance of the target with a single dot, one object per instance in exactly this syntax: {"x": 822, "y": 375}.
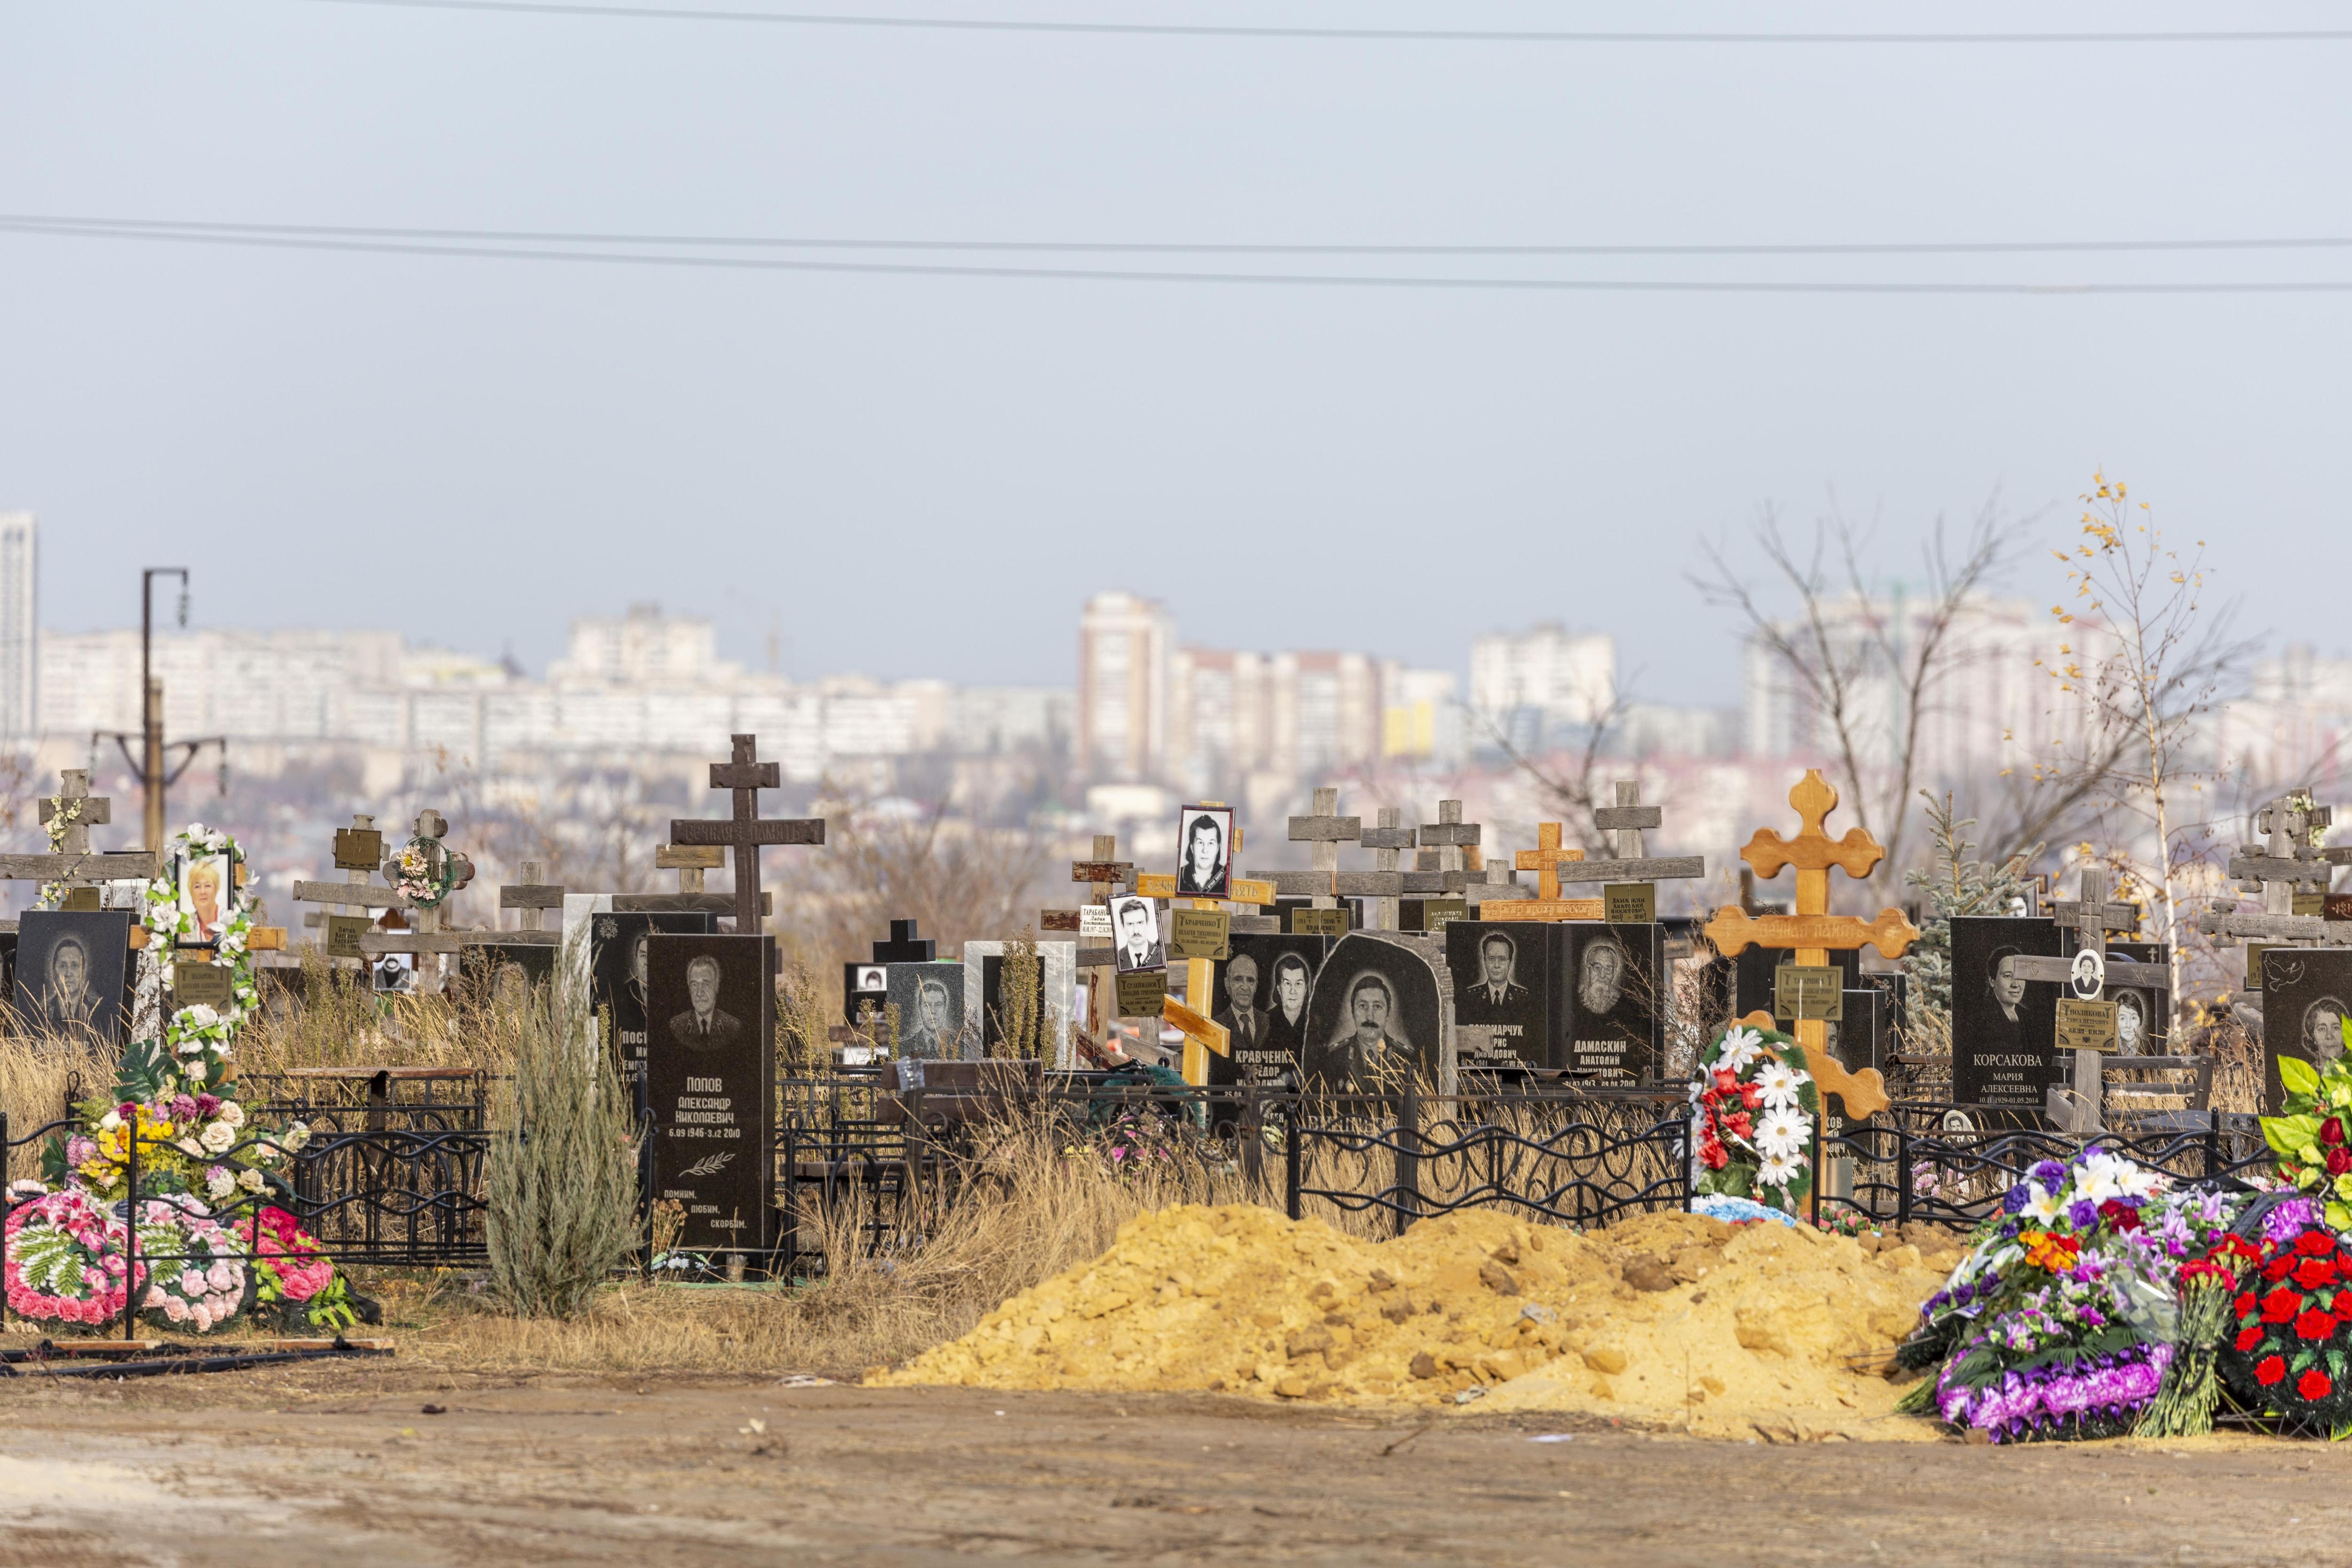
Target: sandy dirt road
{"x": 341, "y": 1465}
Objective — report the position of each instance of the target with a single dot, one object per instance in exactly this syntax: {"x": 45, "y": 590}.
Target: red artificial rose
{"x": 2281, "y": 1306}
{"x": 1740, "y": 1122}
{"x": 2246, "y": 1305}
{"x": 2249, "y": 1337}
{"x": 2313, "y": 1326}
{"x": 2315, "y": 1244}
{"x": 2276, "y": 1268}
{"x": 2338, "y": 1161}
{"x": 2314, "y": 1272}
{"x": 2119, "y": 1216}
{"x": 1726, "y": 1079}
{"x": 1711, "y": 1155}
{"x": 2315, "y": 1384}
{"x": 2331, "y": 1132}
{"x": 1750, "y": 1096}
{"x": 2270, "y": 1369}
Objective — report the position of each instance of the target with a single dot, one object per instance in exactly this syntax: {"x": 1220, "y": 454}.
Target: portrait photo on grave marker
{"x": 73, "y": 967}
{"x": 1614, "y": 1019}
{"x": 2305, "y": 993}
{"x": 710, "y": 1083}
{"x": 2004, "y": 1028}
{"x": 394, "y": 974}
{"x": 1204, "y": 837}
{"x": 618, "y": 948}
{"x": 1506, "y": 991}
{"x": 206, "y": 889}
{"x": 1135, "y": 925}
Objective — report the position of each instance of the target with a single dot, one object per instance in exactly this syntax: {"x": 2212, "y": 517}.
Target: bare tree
{"x": 2145, "y": 659}
{"x": 1572, "y": 780}
{"x": 1868, "y": 668}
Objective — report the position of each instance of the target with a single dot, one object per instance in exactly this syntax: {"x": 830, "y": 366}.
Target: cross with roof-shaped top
{"x": 1813, "y": 930}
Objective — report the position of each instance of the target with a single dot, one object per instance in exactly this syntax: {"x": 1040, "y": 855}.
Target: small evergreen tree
{"x": 1959, "y": 885}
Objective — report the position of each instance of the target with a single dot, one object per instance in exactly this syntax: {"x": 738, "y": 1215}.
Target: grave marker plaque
{"x": 1800, "y": 991}
{"x": 1375, "y": 1021}
{"x": 2085, "y": 1026}
{"x": 930, "y": 999}
{"x": 1261, "y": 994}
{"x": 73, "y": 971}
{"x": 710, "y": 1084}
{"x": 1199, "y": 934}
{"x": 1142, "y": 992}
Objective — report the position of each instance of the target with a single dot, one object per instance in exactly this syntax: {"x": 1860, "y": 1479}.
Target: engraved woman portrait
{"x": 2323, "y": 1030}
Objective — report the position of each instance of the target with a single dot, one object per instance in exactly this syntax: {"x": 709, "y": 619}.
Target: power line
{"x": 1294, "y": 279}
{"x": 1406, "y": 35}
{"x": 568, "y": 236}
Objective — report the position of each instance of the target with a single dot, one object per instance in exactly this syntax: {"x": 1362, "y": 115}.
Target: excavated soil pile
{"x": 1669, "y": 1318}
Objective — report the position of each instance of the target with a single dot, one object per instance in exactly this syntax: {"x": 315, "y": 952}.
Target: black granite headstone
{"x": 1261, "y": 995}
{"x": 1374, "y": 1020}
{"x": 73, "y": 973}
{"x": 2306, "y": 996}
{"x": 2005, "y": 1029}
{"x": 503, "y": 972}
{"x": 619, "y": 974}
{"x": 930, "y": 999}
{"x": 2142, "y": 1017}
{"x": 1615, "y": 1013}
{"x": 710, "y": 1084}
{"x": 1511, "y": 1008}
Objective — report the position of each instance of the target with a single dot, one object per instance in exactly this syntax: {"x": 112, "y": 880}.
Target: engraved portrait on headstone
{"x": 1374, "y": 1017}
{"x": 2305, "y": 993}
{"x": 702, "y": 1025}
{"x": 930, "y": 999}
{"x": 2004, "y": 1028}
{"x": 1504, "y": 983}
{"x": 1613, "y": 1015}
{"x": 618, "y": 944}
{"x": 71, "y": 969}
{"x": 1260, "y": 994}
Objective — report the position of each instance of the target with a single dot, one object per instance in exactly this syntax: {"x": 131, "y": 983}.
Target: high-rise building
{"x": 20, "y": 607}
{"x": 1537, "y": 688}
{"x": 1124, "y": 646}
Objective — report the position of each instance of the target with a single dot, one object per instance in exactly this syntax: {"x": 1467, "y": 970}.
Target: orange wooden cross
{"x": 1813, "y": 930}
{"x": 1545, "y": 860}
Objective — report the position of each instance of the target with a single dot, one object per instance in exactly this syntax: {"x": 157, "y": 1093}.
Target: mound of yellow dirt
{"x": 1669, "y": 1318}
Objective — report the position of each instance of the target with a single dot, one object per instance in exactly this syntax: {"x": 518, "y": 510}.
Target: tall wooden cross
{"x": 2090, "y": 918}
{"x": 1813, "y": 930}
{"x": 744, "y": 832}
{"x": 530, "y": 899}
{"x": 2288, "y": 863}
{"x": 1388, "y": 841}
{"x": 1322, "y": 831}
{"x": 1099, "y": 875}
{"x": 73, "y": 862}
{"x": 1627, "y": 820}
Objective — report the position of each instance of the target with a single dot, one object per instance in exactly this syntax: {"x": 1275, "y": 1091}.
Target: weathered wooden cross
{"x": 530, "y": 899}
{"x": 2090, "y": 918}
{"x": 359, "y": 850}
{"x": 1322, "y": 831}
{"x": 1813, "y": 930}
{"x": 1388, "y": 841}
{"x": 2288, "y": 862}
{"x": 427, "y": 940}
{"x": 744, "y": 832}
{"x": 1190, "y": 1016}
{"x": 73, "y": 863}
{"x": 1627, "y": 820}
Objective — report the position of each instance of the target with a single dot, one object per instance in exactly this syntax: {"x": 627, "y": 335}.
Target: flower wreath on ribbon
{"x": 198, "y": 1038}
{"x": 1754, "y": 1108}
{"x": 411, "y": 872}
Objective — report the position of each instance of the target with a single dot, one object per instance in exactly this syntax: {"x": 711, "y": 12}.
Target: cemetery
{"x": 1416, "y": 1137}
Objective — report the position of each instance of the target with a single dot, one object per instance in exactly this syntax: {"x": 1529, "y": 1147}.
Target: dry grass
{"x": 37, "y": 1070}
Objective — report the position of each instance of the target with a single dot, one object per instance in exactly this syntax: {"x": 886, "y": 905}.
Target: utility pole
{"x": 151, "y": 693}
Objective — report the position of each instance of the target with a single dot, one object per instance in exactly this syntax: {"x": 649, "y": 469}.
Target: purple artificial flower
{"x": 2015, "y": 1200}
{"x": 2049, "y": 1173}
{"x": 2289, "y": 1219}
{"x": 2082, "y": 1214}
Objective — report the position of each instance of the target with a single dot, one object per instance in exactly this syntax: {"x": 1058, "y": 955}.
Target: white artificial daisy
{"x": 2043, "y": 1206}
{"x": 1782, "y": 1131}
{"x": 1740, "y": 1046}
{"x": 1779, "y": 1082}
{"x": 1776, "y": 1170}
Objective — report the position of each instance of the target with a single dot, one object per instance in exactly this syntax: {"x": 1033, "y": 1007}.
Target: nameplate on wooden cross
{"x": 81, "y": 900}
{"x": 1142, "y": 992}
{"x": 1156, "y": 884}
{"x": 358, "y": 848}
{"x": 1250, "y": 890}
{"x": 2336, "y": 906}
{"x": 2309, "y": 903}
{"x": 1554, "y": 909}
{"x": 1200, "y": 933}
{"x": 1630, "y": 904}
{"x": 1802, "y": 991}
{"x": 1094, "y": 920}
{"x": 1318, "y": 923}
{"x": 2085, "y": 1026}
{"x": 201, "y": 984}
{"x": 343, "y": 934}
{"x": 2254, "y": 951}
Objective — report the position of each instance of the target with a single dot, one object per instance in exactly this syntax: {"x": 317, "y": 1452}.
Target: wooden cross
{"x": 690, "y": 861}
{"x": 531, "y": 899}
{"x": 359, "y": 850}
{"x": 74, "y": 862}
{"x": 2289, "y": 860}
{"x": 1545, "y": 860}
{"x": 427, "y": 940}
{"x": 1388, "y": 841}
{"x": 744, "y": 832}
{"x": 1322, "y": 832}
{"x": 1627, "y": 819}
{"x": 2090, "y": 918}
{"x": 1813, "y": 930}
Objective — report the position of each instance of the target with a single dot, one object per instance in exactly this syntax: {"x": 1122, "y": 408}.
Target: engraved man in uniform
{"x": 703, "y": 1026}
{"x": 930, "y": 1036}
{"x": 1370, "y": 1054}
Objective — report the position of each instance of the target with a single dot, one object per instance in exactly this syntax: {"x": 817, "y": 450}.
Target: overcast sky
{"x": 917, "y": 475}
